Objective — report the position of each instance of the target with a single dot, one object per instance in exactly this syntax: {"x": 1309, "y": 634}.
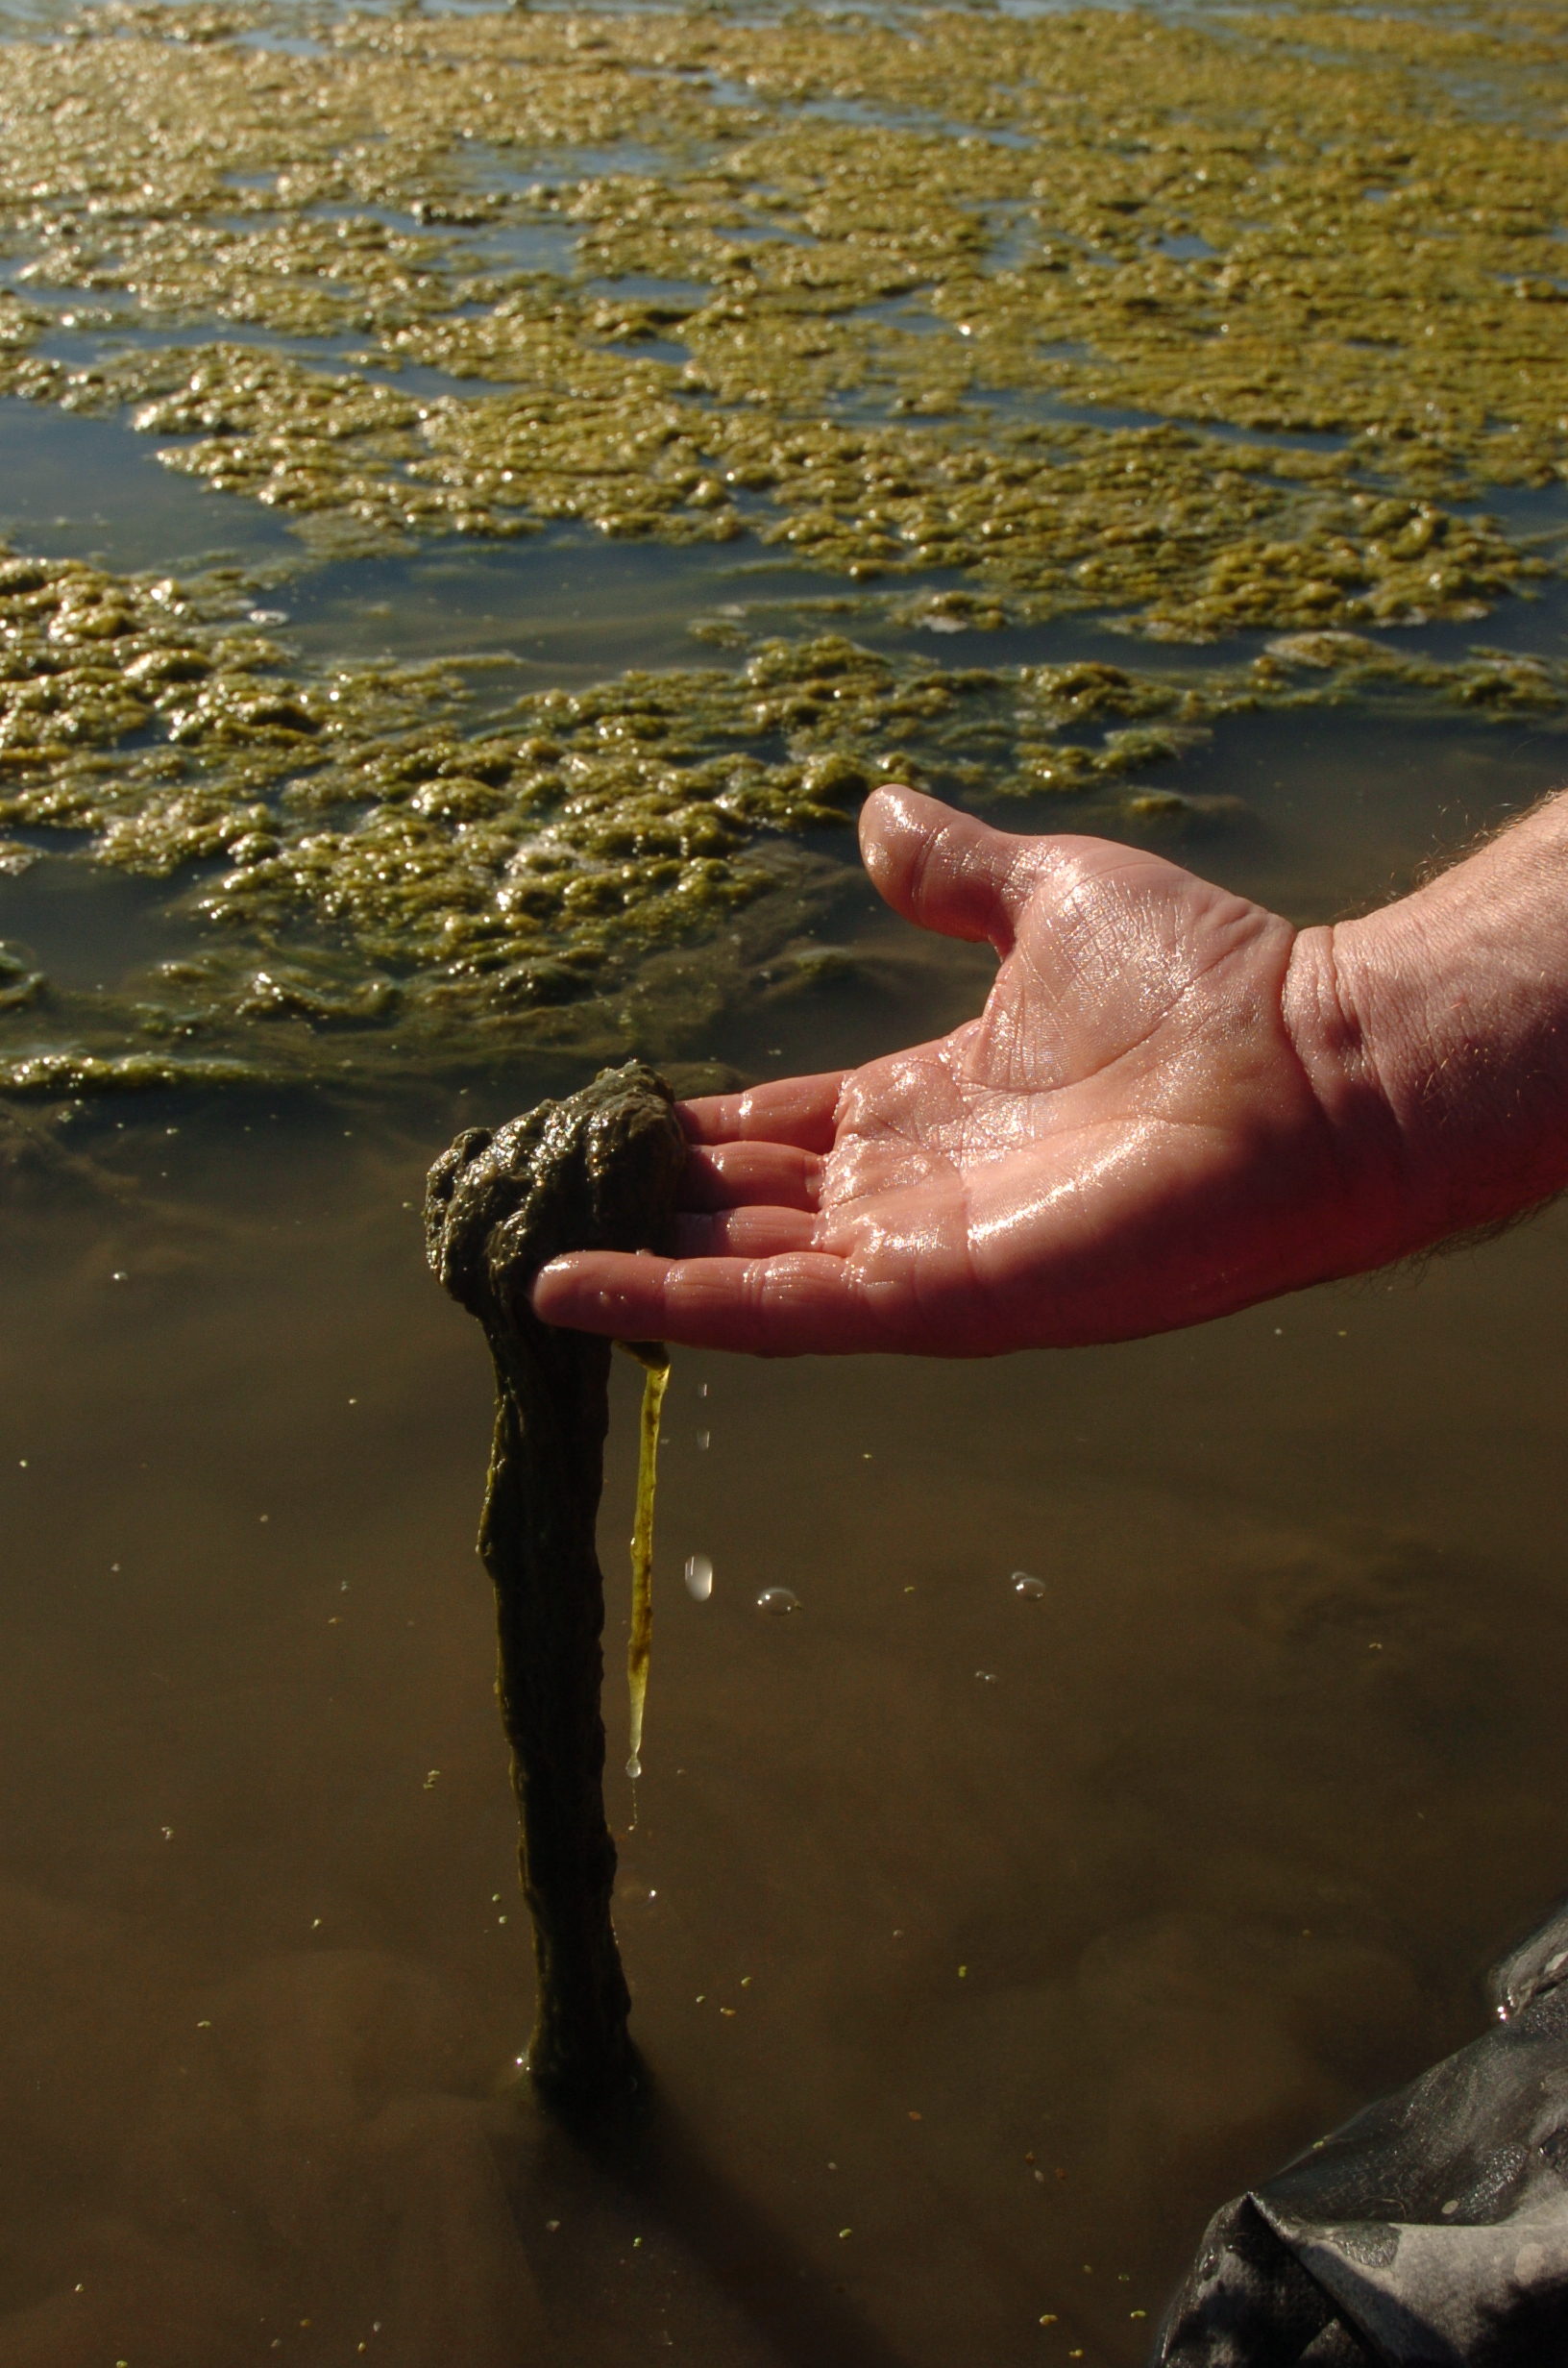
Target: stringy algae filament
{"x": 597, "y": 1171}
{"x": 655, "y": 1362}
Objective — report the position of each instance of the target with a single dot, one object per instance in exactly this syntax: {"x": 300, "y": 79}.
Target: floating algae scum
{"x": 598, "y": 1172}
{"x": 1241, "y": 329}
{"x": 488, "y": 493}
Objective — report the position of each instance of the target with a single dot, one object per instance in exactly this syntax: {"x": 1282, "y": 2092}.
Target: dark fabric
{"x": 1248, "y": 2303}
{"x": 1431, "y": 2232}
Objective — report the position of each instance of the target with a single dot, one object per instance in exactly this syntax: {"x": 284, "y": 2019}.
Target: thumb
{"x": 944, "y": 870}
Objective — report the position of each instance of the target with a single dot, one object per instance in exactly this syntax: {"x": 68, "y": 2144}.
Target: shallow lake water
{"x": 984, "y": 1937}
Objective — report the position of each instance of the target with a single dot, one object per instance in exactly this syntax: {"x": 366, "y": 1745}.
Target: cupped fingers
{"x": 735, "y": 1174}
{"x": 798, "y": 1304}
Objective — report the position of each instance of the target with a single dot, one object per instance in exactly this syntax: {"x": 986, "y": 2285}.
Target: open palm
{"x": 1127, "y": 1139}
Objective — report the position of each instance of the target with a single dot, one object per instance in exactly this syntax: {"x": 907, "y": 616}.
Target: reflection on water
{"x": 97, "y": 488}
{"x": 84, "y": 932}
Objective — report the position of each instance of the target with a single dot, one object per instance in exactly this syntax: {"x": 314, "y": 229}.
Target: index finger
{"x": 793, "y": 1110}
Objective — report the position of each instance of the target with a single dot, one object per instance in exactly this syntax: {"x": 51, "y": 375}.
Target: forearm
{"x": 1436, "y": 1033}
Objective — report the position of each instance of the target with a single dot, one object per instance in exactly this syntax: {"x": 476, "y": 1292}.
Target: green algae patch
{"x": 883, "y": 295}
{"x": 1246, "y": 329}
{"x": 401, "y": 865}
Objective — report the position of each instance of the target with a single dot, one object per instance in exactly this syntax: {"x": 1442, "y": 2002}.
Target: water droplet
{"x": 704, "y": 1439}
{"x": 778, "y": 1600}
{"x": 987, "y": 1677}
{"x": 699, "y": 1577}
{"x": 634, "y": 1767}
{"x": 1024, "y": 1583}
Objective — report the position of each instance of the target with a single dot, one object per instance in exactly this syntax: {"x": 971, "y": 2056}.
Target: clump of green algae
{"x": 597, "y": 1171}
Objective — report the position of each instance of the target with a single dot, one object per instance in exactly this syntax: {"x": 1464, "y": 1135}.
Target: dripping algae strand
{"x": 654, "y": 1359}
{"x": 601, "y": 1170}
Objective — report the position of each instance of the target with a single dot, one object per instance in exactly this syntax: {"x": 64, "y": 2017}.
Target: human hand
{"x": 1166, "y": 1110}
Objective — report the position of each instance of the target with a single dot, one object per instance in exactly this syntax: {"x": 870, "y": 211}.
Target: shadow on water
{"x": 649, "y": 2158}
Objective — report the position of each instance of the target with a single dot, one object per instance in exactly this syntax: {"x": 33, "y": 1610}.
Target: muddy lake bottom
{"x": 982, "y": 1941}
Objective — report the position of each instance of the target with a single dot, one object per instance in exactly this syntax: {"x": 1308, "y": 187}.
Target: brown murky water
{"x": 982, "y": 1941}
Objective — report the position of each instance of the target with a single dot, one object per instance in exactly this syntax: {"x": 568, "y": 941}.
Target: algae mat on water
{"x": 1224, "y": 326}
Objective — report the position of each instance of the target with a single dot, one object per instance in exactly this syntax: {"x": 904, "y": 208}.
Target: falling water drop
{"x": 1025, "y": 1583}
{"x": 699, "y": 1577}
{"x": 634, "y": 1767}
{"x": 778, "y": 1600}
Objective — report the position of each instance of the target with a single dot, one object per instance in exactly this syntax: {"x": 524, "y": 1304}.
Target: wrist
{"x": 1435, "y": 1032}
